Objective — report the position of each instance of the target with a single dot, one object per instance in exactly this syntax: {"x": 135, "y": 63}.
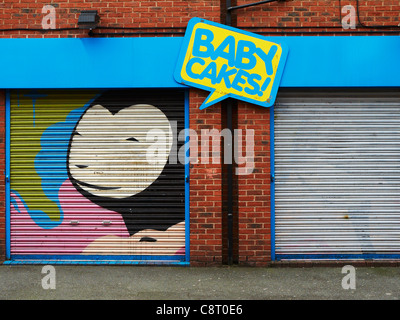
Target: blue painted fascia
{"x": 313, "y": 62}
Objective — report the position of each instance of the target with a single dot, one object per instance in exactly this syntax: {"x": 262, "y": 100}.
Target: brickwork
{"x": 283, "y": 16}
{"x": 205, "y": 186}
{"x": 170, "y": 17}
{"x": 314, "y": 17}
{"x": 254, "y": 201}
{"x": 141, "y": 16}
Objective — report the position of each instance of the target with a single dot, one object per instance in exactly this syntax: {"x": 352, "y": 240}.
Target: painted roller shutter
{"x": 94, "y": 173}
{"x": 337, "y": 169}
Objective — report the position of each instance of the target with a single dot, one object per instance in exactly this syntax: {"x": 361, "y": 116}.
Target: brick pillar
{"x": 254, "y": 197}
{"x": 205, "y": 188}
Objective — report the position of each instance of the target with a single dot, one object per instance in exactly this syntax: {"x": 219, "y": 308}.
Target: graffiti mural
{"x": 90, "y": 173}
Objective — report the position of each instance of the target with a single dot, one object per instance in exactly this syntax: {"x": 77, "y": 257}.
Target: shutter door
{"x": 337, "y": 169}
{"x": 94, "y": 174}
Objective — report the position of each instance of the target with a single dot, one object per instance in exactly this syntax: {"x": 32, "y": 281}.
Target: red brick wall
{"x": 205, "y": 187}
{"x": 254, "y": 201}
{"x": 321, "y": 16}
{"x": 316, "y": 16}
{"x": 145, "y": 15}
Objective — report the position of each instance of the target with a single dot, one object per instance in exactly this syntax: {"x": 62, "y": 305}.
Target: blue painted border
{"x": 187, "y": 179}
{"x": 99, "y": 257}
{"x": 95, "y": 262}
{"x": 96, "y": 259}
{"x": 7, "y": 174}
{"x": 90, "y": 262}
{"x": 366, "y": 256}
{"x": 272, "y": 183}
{"x": 278, "y": 75}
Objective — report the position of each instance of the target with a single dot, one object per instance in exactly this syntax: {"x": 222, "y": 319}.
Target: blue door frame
{"x": 95, "y": 259}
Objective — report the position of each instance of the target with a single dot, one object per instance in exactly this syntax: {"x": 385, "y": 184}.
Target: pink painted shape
{"x": 66, "y": 238}
{"x": 180, "y": 252}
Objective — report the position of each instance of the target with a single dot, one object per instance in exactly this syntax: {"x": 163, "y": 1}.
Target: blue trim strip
{"x": 365, "y": 256}
{"x": 187, "y": 179}
{"x": 7, "y": 173}
{"x": 97, "y": 262}
{"x": 81, "y": 257}
{"x": 272, "y": 163}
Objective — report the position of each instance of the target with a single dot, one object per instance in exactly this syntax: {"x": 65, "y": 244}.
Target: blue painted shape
{"x": 58, "y": 156}
{"x": 356, "y": 61}
{"x": 15, "y": 204}
{"x": 34, "y": 95}
{"x": 38, "y": 216}
{"x": 56, "y": 159}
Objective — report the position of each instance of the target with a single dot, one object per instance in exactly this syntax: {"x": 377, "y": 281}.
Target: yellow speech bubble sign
{"x": 230, "y": 63}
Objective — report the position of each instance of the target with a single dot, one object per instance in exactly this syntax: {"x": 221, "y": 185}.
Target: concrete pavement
{"x": 113, "y": 282}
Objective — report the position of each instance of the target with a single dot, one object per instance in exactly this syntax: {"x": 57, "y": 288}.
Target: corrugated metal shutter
{"x": 337, "y": 170}
{"x": 94, "y": 173}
